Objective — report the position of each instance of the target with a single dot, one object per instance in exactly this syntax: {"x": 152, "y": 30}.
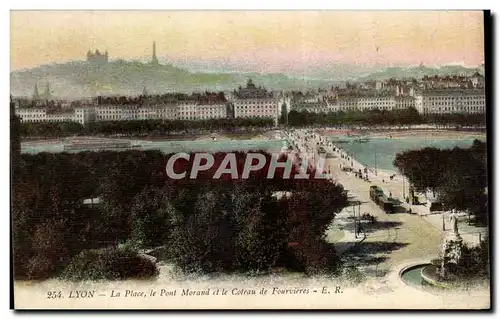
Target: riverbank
{"x": 261, "y": 136}
{"x": 272, "y": 141}
{"x": 235, "y": 136}
{"x": 405, "y": 133}
{"x": 430, "y": 134}
{"x": 177, "y": 136}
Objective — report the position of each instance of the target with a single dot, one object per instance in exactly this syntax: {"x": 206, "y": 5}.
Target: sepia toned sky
{"x": 282, "y": 40}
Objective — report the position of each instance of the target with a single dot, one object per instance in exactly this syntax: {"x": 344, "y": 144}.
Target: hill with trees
{"x": 81, "y": 79}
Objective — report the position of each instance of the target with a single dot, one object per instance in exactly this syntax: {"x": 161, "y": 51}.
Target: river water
{"x": 379, "y": 151}
{"x": 382, "y": 151}
{"x": 174, "y": 146}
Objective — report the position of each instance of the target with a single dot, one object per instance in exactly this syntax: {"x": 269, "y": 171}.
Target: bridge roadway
{"x": 395, "y": 237}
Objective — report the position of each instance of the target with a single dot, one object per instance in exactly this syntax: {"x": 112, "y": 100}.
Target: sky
{"x": 279, "y": 41}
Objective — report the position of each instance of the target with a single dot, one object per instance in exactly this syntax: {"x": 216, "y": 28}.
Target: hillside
{"x": 79, "y": 79}
{"x": 419, "y": 72}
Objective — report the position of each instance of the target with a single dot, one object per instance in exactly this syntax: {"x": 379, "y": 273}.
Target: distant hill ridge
{"x": 81, "y": 79}
{"x": 419, "y": 72}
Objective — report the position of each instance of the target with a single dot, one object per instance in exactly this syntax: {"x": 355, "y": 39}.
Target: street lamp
{"x": 404, "y": 197}
{"x": 359, "y": 213}
{"x": 356, "y": 227}
{"x": 444, "y": 228}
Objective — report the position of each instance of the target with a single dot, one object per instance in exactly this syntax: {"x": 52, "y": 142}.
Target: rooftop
{"x": 252, "y": 92}
{"x": 451, "y": 91}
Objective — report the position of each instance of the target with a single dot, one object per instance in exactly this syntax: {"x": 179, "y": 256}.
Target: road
{"x": 395, "y": 237}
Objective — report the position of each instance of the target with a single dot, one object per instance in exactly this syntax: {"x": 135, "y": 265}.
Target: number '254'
{"x": 54, "y": 294}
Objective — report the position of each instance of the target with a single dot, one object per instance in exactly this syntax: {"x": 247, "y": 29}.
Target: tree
{"x": 49, "y": 249}
{"x": 464, "y": 182}
{"x": 151, "y": 214}
{"x": 284, "y": 115}
{"x": 209, "y": 225}
{"x": 459, "y": 176}
{"x": 422, "y": 167}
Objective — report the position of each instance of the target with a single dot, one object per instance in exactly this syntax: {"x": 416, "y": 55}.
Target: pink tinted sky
{"x": 276, "y": 40}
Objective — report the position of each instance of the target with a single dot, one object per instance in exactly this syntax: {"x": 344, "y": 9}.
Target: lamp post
{"x": 444, "y": 228}
{"x": 359, "y": 214}
{"x": 356, "y": 226}
{"x": 404, "y": 197}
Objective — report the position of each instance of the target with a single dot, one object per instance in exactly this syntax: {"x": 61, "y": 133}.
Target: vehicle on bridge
{"x": 378, "y": 197}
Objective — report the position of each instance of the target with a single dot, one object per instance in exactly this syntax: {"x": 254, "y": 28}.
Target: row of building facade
{"x": 431, "y": 101}
{"x": 92, "y": 113}
{"x": 250, "y": 101}
{"x": 253, "y": 101}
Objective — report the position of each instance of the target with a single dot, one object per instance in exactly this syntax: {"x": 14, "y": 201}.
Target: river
{"x": 384, "y": 150}
{"x": 173, "y": 146}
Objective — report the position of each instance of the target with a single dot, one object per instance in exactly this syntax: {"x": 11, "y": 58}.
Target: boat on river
{"x": 338, "y": 140}
{"x": 100, "y": 146}
{"x": 362, "y": 140}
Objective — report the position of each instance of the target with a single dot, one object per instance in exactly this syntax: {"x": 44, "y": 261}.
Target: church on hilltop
{"x": 46, "y": 95}
{"x": 97, "y": 58}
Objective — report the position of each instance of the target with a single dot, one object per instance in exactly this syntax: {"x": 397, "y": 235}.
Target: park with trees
{"x": 205, "y": 225}
{"x": 458, "y": 176}
{"x": 143, "y": 128}
{"x": 376, "y": 117}
{"x": 459, "y": 179}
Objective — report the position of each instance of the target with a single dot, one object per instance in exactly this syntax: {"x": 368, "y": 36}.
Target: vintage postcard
{"x": 249, "y": 160}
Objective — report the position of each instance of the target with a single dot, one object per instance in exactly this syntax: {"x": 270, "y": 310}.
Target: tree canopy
{"x": 150, "y": 127}
{"x": 458, "y": 176}
{"x": 372, "y": 117}
{"x": 207, "y": 224}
